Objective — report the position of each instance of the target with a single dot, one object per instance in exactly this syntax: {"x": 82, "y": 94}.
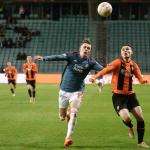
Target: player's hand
{"x": 145, "y": 82}
{"x": 39, "y": 58}
{"x": 92, "y": 79}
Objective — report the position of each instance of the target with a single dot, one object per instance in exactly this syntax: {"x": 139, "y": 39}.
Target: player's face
{"x": 126, "y": 52}
{"x": 9, "y": 64}
{"x": 85, "y": 50}
{"x": 29, "y": 59}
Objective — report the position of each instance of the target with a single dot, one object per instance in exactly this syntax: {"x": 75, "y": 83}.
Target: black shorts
{"x": 12, "y": 82}
{"x": 31, "y": 82}
{"x": 121, "y": 101}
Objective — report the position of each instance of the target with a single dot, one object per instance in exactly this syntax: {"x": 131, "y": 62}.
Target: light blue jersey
{"x": 75, "y": 71}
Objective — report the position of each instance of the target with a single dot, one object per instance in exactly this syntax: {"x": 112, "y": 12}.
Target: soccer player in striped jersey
{"x": 124, "y": 98}
{"x": 30, "y": 69}
{"x": 79, "y": 64}
{"x": 11, "y": 74}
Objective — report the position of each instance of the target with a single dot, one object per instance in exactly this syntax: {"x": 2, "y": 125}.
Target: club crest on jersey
{"x": 78, "y": 68}
{"x": 126, "y": 73}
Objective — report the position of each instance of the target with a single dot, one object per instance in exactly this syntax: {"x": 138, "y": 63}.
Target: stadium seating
{"x": 66, "y": 34}
{"x": 134, "y": 33}
{"x": 56, "y": 37}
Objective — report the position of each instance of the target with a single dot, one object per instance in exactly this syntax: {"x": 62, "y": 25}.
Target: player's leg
{"x": 29, "y": 87}
{"x": 33, "y": 86}
{"x": 125, "y": 116}
{"x": 120, "y": 105}
{"x": 63, "y": 104}
{"x": 137, "y": 112}
{"x": 74, "y": 107}
{"x": 12, "y": 87}
{"x": 100, "y": 84}
{"x": 62, "y": 113}
{"x": 68, "y": 113}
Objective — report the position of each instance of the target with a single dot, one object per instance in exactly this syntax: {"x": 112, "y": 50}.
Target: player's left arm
{"x": 15, "y": 72}
{"x": 97, "y": 67}
{"x": 138, "y": 75}
{"x": 61, "y": 57}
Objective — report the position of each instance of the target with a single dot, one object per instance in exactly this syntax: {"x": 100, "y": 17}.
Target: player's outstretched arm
{"x": 38, "y": 58}
{"x": 61, "y": 57}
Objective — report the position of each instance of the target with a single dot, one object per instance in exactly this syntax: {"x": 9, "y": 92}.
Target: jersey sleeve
{"x": 97, "y": 67}
{"x": 137, "y": 73}
{"x": 110, "y": 67}
{"x": 62, "y": 57}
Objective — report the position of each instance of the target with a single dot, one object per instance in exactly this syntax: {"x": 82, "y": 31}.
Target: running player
{"x": 124, "y": 98}
{"x": 30, "y": 69}
{"x": 11, "y": 74}
{"x": 100, "y": 83}
{"x": 79, "y": 64}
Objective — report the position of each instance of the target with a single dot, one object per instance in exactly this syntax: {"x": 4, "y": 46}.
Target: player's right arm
{"x": 112, "y": 66}
{"x": 60, "y": 57}
{"x": 24, "y": 68}
{"x": 6, "y": 71}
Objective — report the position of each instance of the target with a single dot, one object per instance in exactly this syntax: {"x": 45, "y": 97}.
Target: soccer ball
{"x": 104, "y": 9}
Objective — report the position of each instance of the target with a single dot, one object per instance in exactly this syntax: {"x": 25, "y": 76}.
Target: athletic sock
{"x": 33, "y": 94}
{"x": 140, "y": 130}
{"x": 71, "y": 124}
{"x": 128, "y": 124}
{"x": 29, "y": 92}
{"x": 12, "y": 91}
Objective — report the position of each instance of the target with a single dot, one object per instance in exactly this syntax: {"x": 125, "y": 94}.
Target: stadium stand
{"x": 65, "y": 34}
{"x": 134, "y": 33}
{"x": 56, "y": 37}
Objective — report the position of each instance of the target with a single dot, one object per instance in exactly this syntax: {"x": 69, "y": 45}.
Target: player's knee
{"x": 128, "y": 123}
{"x": 28, "y": 87}
{"x": 140, "y": 118}
{"x": 127, "y": 119}
{"x": 61, "y": 118}
{"x": 74, "y": 110}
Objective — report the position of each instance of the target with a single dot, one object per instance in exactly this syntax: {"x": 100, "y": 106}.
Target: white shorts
{"x": 65, "y": 98}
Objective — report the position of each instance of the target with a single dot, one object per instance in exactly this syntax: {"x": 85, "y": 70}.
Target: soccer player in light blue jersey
{"x": 79, "y": 64}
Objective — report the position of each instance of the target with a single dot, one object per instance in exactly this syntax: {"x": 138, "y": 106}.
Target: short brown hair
{"x": 86, "y": 40}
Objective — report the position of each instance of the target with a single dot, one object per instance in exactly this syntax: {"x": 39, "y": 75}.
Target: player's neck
{"x": 127, "y": 59}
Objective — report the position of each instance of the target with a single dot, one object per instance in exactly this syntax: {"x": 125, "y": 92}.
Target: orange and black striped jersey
{"x": 122, "y": 74}
{"x": 11, "y": 73}
{"x": 30, "y": 70}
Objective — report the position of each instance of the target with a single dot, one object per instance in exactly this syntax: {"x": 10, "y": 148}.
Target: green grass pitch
{"x": 25, "y": 126}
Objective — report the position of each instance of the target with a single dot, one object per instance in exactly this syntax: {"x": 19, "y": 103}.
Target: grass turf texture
{"x": 25, "y": 126}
